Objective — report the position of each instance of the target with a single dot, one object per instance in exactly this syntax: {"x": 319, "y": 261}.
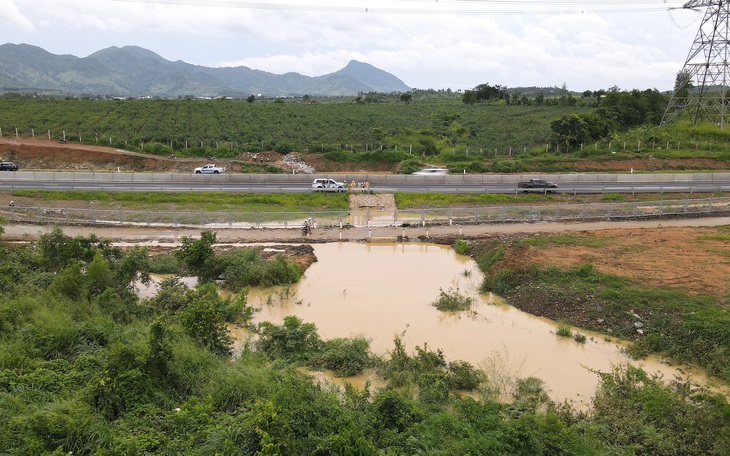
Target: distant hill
{"x": 132, "y": 71}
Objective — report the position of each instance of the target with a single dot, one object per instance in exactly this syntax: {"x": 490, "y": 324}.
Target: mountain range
{"x": 132, "y": 71}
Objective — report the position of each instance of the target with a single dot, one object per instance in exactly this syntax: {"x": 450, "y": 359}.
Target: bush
{"x": 346, "y": 357}
{"x": 244, "y": 268}
{"x": 461, "y": 247}
{"x": 463, "y": 376}
{"x": 294, "y": 340}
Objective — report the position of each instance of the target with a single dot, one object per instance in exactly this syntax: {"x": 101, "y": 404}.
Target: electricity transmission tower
{"x": 706, "y": 68}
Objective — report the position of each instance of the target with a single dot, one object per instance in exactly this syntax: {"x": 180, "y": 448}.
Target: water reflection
{"x": 384, "y": 290}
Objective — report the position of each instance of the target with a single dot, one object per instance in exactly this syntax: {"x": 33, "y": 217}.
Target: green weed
{"x": 567, "y": 239}
{"x": 564, "y": 331}
{"x": 452, "y": 300}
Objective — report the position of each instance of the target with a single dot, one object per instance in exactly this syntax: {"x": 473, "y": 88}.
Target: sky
{"x": 428, "y": 44}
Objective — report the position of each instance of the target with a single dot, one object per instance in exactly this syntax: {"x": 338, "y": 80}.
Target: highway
{"x": 505, "y": 184}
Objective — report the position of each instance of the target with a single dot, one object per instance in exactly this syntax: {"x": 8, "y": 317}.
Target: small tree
{"x": 683, "y": 83}
{"x": 469, "y": 97}
{"x": 198, "y": 255}
{"x": 204, "y": 320}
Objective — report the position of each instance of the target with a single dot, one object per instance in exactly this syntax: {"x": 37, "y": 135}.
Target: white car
{"x": 209, "y": 169}
{"x": 432, "y": 172}
{"x": 323, "y": 184}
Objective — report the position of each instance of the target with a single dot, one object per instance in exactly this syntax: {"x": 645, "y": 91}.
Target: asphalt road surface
{"x": 209, "y": 186}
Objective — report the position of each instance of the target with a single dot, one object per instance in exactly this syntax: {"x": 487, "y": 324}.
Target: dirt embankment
{"x": 692, "y": 259}
{"x": 44, "y": 155}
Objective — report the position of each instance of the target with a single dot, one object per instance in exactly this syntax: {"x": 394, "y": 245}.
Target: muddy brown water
{"x": 383, "y": 290}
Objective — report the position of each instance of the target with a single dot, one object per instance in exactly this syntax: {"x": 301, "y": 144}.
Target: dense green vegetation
{"x": 88, "y": 368}
{"x": 228, "y": 127}
{"x": 502, "y": 133}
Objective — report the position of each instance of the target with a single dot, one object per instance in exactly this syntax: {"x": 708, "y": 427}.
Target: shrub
{"x": 244, "y": 267}
{"x": 463, "y": 376}
{"x": 294, "y": 340}
{"x": 346, "y": 357}
{"x": 204, "y": 319}
{"x": 461, "y": 247}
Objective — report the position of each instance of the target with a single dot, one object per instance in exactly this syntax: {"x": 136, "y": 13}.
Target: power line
{"x": 449, "y": 7}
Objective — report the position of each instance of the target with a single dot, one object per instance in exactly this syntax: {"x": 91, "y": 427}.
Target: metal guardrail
{"x": 213, "y": 220}
{"x": 564, "y": 180}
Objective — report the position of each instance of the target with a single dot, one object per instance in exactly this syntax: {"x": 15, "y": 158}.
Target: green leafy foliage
{"x": 429, "y": 371}
{"x": 245, "y": 268}
{"x": 294, "y": 340}
{"x": 618, "y": 111}
{"x": 204, "y": 319}
{"x": 158, "y": 382}
{"x": 461, "y": 247}
{"x": 198, "y": 256}
{"x": 345, "y": 357}
{"x": 635, "y": 411}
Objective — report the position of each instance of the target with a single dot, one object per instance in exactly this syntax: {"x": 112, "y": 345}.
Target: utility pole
{"x": 706, "y": 68}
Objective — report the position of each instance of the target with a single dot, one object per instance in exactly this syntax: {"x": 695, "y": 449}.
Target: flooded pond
{"x": 383, "y": 290}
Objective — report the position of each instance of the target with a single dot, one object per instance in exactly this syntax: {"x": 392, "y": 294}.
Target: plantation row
{"x": 473, "y": 138}
{"x": 321, "y": 127}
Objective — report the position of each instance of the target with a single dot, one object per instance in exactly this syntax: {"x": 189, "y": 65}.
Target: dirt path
{"x": 692, "y": 254}
{"x": 16, "y": 232}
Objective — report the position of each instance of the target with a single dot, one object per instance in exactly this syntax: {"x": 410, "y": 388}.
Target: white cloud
{"x": 13, "y": 18}
{"x": 445, "y": 50}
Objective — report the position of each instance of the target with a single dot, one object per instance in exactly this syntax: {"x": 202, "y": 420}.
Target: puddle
{"x": 383, "y": 290}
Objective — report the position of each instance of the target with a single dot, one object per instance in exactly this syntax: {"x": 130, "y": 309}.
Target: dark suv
{"x": 8, "y": 166}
